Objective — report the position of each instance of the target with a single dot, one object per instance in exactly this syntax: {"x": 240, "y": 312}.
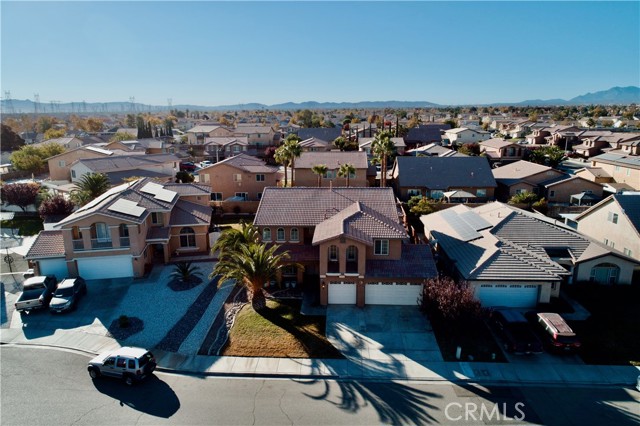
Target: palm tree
{"x": 382, "y": 147}
{"x": 320, "y": 170}
{"x": 281, "y": 156}
{"x": 346, "y": 170}
{"x": 184, "y": 271}
{"x": 293, "y": 149}
{"x": 231, "y": 240}
{"x": 251, "y": 265}
{"x": 89, "y": 187}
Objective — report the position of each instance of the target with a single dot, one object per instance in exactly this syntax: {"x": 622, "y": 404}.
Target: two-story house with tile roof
{"x": 503, "y": 151}
{"x": 125, "y": 230}
{"x": 351, "y": 242}
{"x": 433, "y": 177}
{"x": 197, "y": 135}
{"x": 119, "y": 168}
{"x": 304, "y": 175}
{"x": 522, "y": 176}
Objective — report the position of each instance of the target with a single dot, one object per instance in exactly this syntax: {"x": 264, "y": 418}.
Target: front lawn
{"x": 26, "y": 225}
{"x": 612, "y": 334}
{"x": 476, "y": 340}
{"x": 279, "y": 332}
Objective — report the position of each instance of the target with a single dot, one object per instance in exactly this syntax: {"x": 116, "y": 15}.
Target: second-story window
{"x": 266, "y": 234}
{"x": 381, "y": 247}
{"x": 294, "y": 234}
{"x": 280, "y": 234}
{"x": 612, "y": 217}
{"x": 259, "y": 178}
{"x": 156, "y": 218}
{"x": 333, "y": 253}
{"x": 237, "y": 177}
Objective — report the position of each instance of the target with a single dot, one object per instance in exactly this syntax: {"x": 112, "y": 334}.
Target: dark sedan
{"x": 513, "y": 328}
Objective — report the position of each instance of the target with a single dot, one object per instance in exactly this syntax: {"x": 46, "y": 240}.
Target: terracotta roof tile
{"x": 47, "y": 244}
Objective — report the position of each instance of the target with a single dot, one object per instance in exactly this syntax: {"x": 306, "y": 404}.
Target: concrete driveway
{"x": 379, "y": 336}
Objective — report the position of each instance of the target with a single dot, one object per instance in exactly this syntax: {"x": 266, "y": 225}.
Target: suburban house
{"x": 219, "y": 148}
{"x": 314, "y": 144}
{"x": 594, "y": 174}
{"x": 502, "y": 150}
{"x": 304, "y": 175}
{"x": 466, "y": 178}
{"x": 258, "y": 135}
{"x": 522, "y": 176}
{"x": 66, "y": 142}
{"x": 515, "y": 258}
{"x": 197, "y": 135}
{"x": 615, "y": 222}
{"x": 425, "y": 134}
{"x": 364, "y": 144}
{"x": 623, "y": 167}
{"x": 239, "y": 179}
{"x": 434, "y": 150}
{"x": 323, "y": 133}
{"x": 60, "y": 165}
{"x": 122, "y": 167}
{"x": 125, "y": 230}
{"x": 566, "y": 188}
{"x": 464, "y": 135}
{"x": 351, "y": 241}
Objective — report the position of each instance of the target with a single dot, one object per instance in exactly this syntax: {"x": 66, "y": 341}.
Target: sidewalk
{"x": 392, "y": 368}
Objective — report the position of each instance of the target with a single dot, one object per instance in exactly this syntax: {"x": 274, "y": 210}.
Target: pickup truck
{"x": 36, "y": 293}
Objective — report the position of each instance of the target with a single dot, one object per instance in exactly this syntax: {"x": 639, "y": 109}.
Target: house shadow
{"x": 152, "y": 396}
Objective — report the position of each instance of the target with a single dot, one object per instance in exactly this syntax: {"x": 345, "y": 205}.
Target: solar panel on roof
{"x": 126, "y": 207}
{"x": 151, "y": 188}
{"x": 474, "y": 220}
{"x": 158, "y": 192}
{"x": 462, "y": 228}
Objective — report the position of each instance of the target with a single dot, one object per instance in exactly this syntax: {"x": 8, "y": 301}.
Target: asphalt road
{"x": 52, "y": 387}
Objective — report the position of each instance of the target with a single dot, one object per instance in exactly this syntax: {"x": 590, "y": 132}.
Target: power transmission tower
{"x": 84, "y": 106}
{"x": 132, "y": 101}
{"x": 8, "y": 103}
{"x": 36, "y": 103}
{"x": 170, "y": 104}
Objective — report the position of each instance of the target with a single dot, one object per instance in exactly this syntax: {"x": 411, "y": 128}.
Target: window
{"x": 102, "y": 232}
{"x": 552, "y": 194}
{"x": 205, "y": 178}
{"x": 237, "y": 177}
{"x": 280, "y": 234}
{"x": 259, "y": 178}
{"x": 216, "y": 196}
{"x": 352, "y": 253}
{"x": 294, "y": 234}
{"x": 381, "y": 247}
{"x": 187, "y": 237}
{"x": 333, "y": 253}
{"x": 259, "y": 196}
{"x": 331, "y": 174}
{"x": 612, "y": 217}
{"x": 132, "y": 364}
{"x": 606, "y": 241}
{"x": 124, "y": 230}
{"x": 156, "y": 218}
{"x": 62, "y": 163}
{"x": 437, "y": 194}
{"x": 243, "y": 195}
{"x": 73, "y": 173}
{"x": 627, "y": 252}
{"x": 266, "y": 234}
{"x": 122, "y": 363}
{"x": 617, "y": 168}
{"x": 481, "y": 193}
{"x": 628, "y": 171}
{"x": 236, "y": 149}
{"x": 413, "y": 192}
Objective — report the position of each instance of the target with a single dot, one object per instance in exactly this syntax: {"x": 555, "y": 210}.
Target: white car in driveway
{"x": 127, "y": 363}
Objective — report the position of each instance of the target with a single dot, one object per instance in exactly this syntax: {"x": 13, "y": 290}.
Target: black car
{"x": 67, "y": 295}
{"x": 514, "y": 329}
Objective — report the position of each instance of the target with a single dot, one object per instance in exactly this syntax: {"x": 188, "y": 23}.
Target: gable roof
{"x": 326, "y": 134}
{"x": 246, "y": 163}
{"x": 125, "y": 162}
{"x": 629, "y": 203}
{"x": 443, "y": 172}
{"x": 205, "y": 128}
{"x": 187, "y": 213}
{"x": 315, "y": 143}
{"x": 519, "y": 170}
{"x": 426, "y": 133}
{"x": 226, "y": 140}
{"x": 497, "y": 143}
{"x": 465, "y": 129}
{"x": 191, "y": 188}
{"x": 619, "y": 158}
{"x": 568, "y": 178}
{"x": 333, "y": 159}
{"x": 299, "y": 206}
{"x": 250, "y": 128}
{"x": 47, "y": 244}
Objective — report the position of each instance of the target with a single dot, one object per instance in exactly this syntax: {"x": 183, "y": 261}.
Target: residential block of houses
{"x": 304, "y": 175}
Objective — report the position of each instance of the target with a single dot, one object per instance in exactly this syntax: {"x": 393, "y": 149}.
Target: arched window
{"x": 266, "y": 234}
{"x": 333, "y": 253}
{"x": 294, "y": 234}
{"x": 605, "y": 273}
{"x": 280, "y": 234}
{"x": 352, "y": 254}
{"x": 100, "y": 231}
{"x": 187, "y": 237}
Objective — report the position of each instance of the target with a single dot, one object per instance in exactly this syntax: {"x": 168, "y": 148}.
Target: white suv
{"x": 127, "y": 363}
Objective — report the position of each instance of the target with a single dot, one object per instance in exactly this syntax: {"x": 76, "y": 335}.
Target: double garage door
{"x": 344, "y": 293}
{"x": 512, "y": 296}
{"x": 94, "y": 268}
{"x": 57, "y": 267}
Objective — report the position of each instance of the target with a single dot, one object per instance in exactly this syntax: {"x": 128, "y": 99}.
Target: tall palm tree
{"x": 320, "y": 170}
{"x": 231, "y": 240}
{"x": 346, "y": 170}
{"x": 382, "y": 147}
{"x": 293, "y": 149}
{"x": 252, "y": 265}
{"x": 281, "y": 156}
{"x": 90, "y": 186}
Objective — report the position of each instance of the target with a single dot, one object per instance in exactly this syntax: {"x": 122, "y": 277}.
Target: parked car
{"x": 36, "y": 293}
{"x": 556, "y": 333}
{"x": 67, "y": 295}
{"x": 514, "y": 329}
{"x": 187, "y": 166}
{"x": 205, "y": 163}
{"x": 127, "y": 363}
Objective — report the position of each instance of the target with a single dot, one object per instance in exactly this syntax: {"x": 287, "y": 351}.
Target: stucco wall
{"x": 583, "y": 270}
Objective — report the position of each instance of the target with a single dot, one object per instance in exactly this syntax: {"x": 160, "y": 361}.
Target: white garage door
{"x": 105, "y": 267}
{"x": 342, "y": 293}
{"x": 514, "y": 296}
{"x": 57, "y": 267}
{"x": 392, "y": 293}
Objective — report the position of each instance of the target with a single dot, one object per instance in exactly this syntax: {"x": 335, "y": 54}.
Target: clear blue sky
{"x": 216, "y": 53}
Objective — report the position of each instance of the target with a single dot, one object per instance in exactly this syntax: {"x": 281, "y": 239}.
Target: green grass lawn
{"x": 476, "y": 340}
{"x": 281, "y": 331}
{"x": 26, "y": 225}
{"x": 612, "y": 334}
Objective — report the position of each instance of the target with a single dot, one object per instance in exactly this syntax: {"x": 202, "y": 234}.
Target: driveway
{"x": 381, "y": 335}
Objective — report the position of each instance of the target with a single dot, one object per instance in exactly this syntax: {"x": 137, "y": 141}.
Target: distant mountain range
{"x": 615, "y": 95}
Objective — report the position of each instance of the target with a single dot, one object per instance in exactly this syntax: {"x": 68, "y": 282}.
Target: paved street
{"x": 51, "y": 387}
